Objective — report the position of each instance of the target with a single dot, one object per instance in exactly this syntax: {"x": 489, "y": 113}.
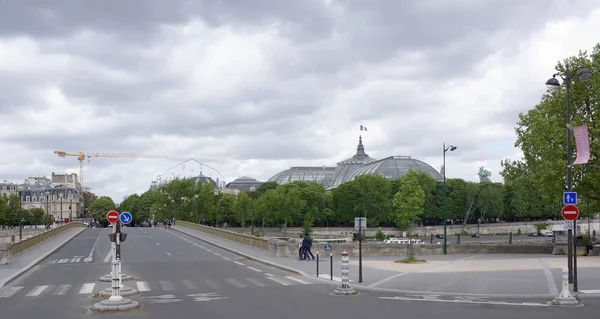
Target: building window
{"x": 34, "y": 199}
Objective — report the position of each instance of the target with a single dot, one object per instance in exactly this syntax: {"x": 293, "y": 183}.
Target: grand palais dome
{"x": 392, "y": 167}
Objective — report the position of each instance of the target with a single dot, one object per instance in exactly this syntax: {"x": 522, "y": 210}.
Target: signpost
{"x": 360, "y": 224}
{"x": 570, "y": 198}
{"x": 125, "y": 218}
{"x": 112, "y": 217}
{"x": 570, "y": 213}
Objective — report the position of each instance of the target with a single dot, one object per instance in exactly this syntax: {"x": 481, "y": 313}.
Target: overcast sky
{"x": 253, "y": 87}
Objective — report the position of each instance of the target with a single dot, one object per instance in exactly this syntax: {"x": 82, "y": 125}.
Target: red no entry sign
{"x": 570, "y": 212}
{"x": 112, "y": 217}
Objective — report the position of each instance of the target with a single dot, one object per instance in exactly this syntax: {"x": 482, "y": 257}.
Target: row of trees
{"x": 542, "y": 137}
{"x": 414, "y": 199}
{"x": 9, "y": 213}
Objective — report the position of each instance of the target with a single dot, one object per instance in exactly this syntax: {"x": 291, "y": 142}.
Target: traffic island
{"x": 108, "y": 278}
{"x": 123, "y": 291}
{"x": 115, "y": 305}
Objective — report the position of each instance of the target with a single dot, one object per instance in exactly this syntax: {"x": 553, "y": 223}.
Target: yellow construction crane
{"x": 81, "y": 156}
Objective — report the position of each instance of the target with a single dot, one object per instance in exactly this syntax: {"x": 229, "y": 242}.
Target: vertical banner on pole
{"x": 582, "y": 142}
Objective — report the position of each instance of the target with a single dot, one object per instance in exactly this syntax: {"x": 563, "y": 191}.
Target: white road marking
{"x": 239, "y": 263}
{"x": 88, "y": 260}
{"x": 62, "y": 261}
{"x": 252, "y": 268}
{"x": 212, "y": 284}
{"x": 235, "y": 282}
{"x": 36, "y": 291}
{"x": 61, "y": 290}
{"x": 217, "y": 254}
{"x": 142, "y": 286}
{"x": 549, "y": 277}
{"x": 166, "y": 285}
{"x": 157, "y": 244}
{"x": 327, "y": 276}
{"x": 419, "y": 271}
{"x": 169, "y": 254}
{"x": 189, "y": 284}
{"x": 298, "y": 280}
{"x": 530, "y": 304}
{"x": 87, "y": 288}
{"x": 210, "y": 251}
{"x": 75, "y": 260}
{"x": 10, "y": 292}
{"x": 226, "y": 258}
{"x": 279, "y": 281}
{"x": 255, "y": 281}
{"x": 91, "y": 254}
{"x": 53, "y": 261}
{"x": 592, "y": 291}
{"x": 270, "y": 275}
{"x": 107, "y": 258}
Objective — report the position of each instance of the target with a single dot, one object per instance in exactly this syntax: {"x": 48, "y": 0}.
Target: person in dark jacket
{"x": 307, "y": 244}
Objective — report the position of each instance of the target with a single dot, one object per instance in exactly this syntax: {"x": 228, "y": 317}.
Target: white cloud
{"x": 254, "y": 100}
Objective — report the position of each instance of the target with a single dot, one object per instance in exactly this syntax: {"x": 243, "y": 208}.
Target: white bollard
{"x": 115, "y": 296}
{"x": 345, "y": 270}
{"x": 345, "y": 288}
{"x": 565, "y": 297}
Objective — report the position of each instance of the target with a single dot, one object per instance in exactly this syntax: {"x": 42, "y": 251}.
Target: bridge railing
{"x": 25, "y": 244}
{"x": 247, "y": 240}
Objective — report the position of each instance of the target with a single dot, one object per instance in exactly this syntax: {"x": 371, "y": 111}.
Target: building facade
{"x": 60, "y": 197}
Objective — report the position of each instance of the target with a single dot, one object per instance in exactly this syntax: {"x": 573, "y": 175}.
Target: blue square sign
{"x": 570, "y": 198}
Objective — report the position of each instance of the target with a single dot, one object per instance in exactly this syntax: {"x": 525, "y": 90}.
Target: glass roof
{"x": 392, "y": 167}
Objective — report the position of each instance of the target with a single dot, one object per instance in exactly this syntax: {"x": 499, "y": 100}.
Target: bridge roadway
{"x": 181, "y": 277}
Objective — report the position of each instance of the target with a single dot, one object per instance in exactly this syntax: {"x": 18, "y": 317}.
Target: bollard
{"x": 345, "y": 289}
{"x": 458, "y": 239}
{"x": 330, "y": 266}
{"x": 565, "y": 297}
{"x": 317, "y": 264}
{"x": 510, "y": 238}
{"x": 115, "y": 296}
{"x": 431, "y": 239}
{"x": 594, "y": 236}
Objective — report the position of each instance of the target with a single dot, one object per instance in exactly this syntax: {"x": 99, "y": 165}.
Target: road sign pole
{"x": 575, "y": 288}
{"x": 360, "y": 250}
{"x": 570, "y": 256}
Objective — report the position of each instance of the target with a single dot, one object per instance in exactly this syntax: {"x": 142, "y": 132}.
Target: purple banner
{"x": 582, "y": 141}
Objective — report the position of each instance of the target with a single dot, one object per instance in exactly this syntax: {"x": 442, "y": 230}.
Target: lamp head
{"x": 552, "y": 83}
{"x": 252, "y": 189}
{"x": 216, "y": 192}
{"x": 584, "y": 75}
{"x": 452, "y": 148}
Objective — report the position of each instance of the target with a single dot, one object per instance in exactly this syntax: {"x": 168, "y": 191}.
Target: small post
{"x": 565, "y": 297}
{"x": 345, "y": 289}
{"x": 360, "y": 250}
{"x": 510, "y": 238}
{"x": 458, "y": 239}
{"x": 431, "y": 239}
{"x": 116, "y": 275}
{"x": 317, "y": 264}
{"x": 593, "y": 236}
{"x": 331, "y": 266}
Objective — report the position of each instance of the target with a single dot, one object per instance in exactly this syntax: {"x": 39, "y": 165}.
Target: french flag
{"x": 363, "y": 128}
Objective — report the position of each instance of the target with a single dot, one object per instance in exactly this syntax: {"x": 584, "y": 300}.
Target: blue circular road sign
{"x": 327, "y": 247}
{"x": 125, "y": 217}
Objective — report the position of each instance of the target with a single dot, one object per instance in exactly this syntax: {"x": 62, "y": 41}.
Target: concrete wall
{"x": 380, "y": 249}
{"x": 333, "y": 232}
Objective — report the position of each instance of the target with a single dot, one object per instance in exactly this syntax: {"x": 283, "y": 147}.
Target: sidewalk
{"x": 483, "y": 274}
{"x": 25, "y": 261}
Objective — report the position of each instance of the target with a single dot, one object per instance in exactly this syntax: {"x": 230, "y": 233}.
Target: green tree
{"x": 100, "y": 207}
{"x": 374, "y": 198}
{"x": 35, "y": 216}
{"x": 242, "y": 208}
{"x": 489, "y": 202}
{"x": 541, "y": 135}
{"x": 3, "y": 211}
{"x": 408, "y": 202}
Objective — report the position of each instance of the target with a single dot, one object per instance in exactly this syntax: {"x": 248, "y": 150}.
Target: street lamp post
{"x": 61, "y": 208}
{"x": 70, "y": 210}
{"x": 252, "y": 190}
{"x": 47, "y": 193}
{"x": 446, "y": 149}
{"x": 582, "y": 75}
{"x": 196, "y": 208}
{"x": 20, "y": 190}
{"x": 216, "y": 208}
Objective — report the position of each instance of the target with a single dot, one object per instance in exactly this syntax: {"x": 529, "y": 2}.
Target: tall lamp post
{"x": 446, "y": 149}
{"x": 216, "y": 208}
{"x": 252, "y": 190}
{"x": 61, "y": 208}
{"x": 47, "y": 193}
{"x": 20, "y": 190}
{"x": 568, "y": 76}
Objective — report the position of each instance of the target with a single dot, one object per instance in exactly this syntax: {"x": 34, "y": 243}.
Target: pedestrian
{"x": 300, "y": 250}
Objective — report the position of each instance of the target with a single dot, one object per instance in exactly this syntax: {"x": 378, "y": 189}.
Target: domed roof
{"x": 360, "y": 157}
{"x": 322, "y": 175}
{"x": 244, "y": 183}
{"x": 245, "y": 179}
{"x": 395, "y": 167}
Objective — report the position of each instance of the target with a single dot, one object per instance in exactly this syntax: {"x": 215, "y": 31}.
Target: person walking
{"x": 300, "y": 248}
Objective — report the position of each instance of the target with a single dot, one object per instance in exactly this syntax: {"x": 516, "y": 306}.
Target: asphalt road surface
{"x": 181, "y": 277}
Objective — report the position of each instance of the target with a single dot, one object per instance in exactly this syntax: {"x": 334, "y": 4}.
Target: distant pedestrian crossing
{"x": 71, "y": 260}
{"x": 86, "y": 289}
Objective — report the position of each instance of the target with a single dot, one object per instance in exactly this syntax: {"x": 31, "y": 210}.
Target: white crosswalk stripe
{"x": 55, "y": 291}
{"x": 71, "y": 260}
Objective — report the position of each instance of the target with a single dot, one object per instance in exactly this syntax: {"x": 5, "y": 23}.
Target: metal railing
{"x": 246, "y": 240}
{"x": 25, "y": 244}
